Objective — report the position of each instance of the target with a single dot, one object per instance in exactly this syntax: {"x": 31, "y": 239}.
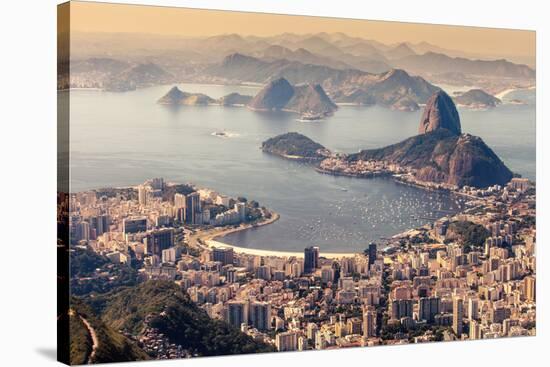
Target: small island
{"x": 295, "y": 146}
{"x": 304, "y": 99}
{"x": 177, "y": 97}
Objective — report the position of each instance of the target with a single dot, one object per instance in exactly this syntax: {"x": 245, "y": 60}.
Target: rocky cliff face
{"x": 274, "y": 96}
{"x": 440, "y": 153}
{"x": 440, "y": 113}
{"x": 279, "y": 94}
{"x": 442, "y": 156}
{"x": 309, "y": 98}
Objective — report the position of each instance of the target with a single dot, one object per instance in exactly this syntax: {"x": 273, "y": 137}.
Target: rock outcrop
{"x": 177, "y": 97}
{"x": 440, "y": 113}
{"x": 274, "y": 96}
{"x": 442, "y": 156}
{"x": 309, "y": 98}
{"x": 235, "y": 99}
{"x": 280, "y": 95}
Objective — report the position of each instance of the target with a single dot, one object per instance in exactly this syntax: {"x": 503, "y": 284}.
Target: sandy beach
{"x": 256, "y": 252}
{"x": 507, "y": 91}
{"x": 211, "y": 238}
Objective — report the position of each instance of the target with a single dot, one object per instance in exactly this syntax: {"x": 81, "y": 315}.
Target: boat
{"x": 221, "y": 134}
{"x": 310, "y": 116}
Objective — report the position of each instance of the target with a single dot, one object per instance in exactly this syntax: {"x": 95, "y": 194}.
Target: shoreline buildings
{"x": 469, "y": 276}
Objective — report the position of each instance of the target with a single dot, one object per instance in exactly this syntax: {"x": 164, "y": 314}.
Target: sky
{"x": 104, "y": 17}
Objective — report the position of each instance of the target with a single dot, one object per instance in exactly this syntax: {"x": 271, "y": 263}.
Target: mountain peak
{"x": 274, "y": 96}
{"x": 236, "y": 57}
{"x": 440, "y": 113}
{"x": 399, "y": 51}
{"x": 279, "y": 94}
{"x": 395, "y": 74}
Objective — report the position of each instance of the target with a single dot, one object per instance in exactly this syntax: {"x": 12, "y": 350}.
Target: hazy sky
{"x": 97, "y": 17}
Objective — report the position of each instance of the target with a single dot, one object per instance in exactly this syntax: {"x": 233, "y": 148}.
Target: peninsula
{"x": 441, "y": 156}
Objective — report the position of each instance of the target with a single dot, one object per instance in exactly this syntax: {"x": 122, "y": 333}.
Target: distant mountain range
{"x": 477, "y": 98}
{"x": 395, "y": 88}
{"x": 115, "y": 75}
{"x": 436, "y": 63}
{"x": 350, "y": 69}
{"x": 339, "y": 47}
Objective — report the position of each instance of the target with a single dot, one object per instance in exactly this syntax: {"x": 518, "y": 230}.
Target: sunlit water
{"x": 121, "y": 139}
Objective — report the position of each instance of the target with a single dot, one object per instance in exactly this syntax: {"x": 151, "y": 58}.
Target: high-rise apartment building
{"x": 458, "y": 315}
{"x": 237, "y": 313}
{"x": 530, "y": 288}
{"x": 260, "y": 315}
{"x": 372, "y": 253}
{"x": 225, "y": 255}
{"x": 134, "y": 225}
{"x": 428, "y": 307}
{"x": 287, "y": 341}
{"x": 311, "y": 259}
{"x": 158, "y": 240}
{"x": 369, "y": 323}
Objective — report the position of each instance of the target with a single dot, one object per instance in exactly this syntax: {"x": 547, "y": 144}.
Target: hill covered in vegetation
{"x": 443, "y": 156}
{"x": 294, "y": 146}
{"x": 92, "y": 341}
{"x": 164, "y": 306}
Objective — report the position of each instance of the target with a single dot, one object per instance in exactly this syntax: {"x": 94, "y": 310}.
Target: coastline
{"x": 505, "y": 92}
{"x": 275, "y": 253}
{"x": 215, "y": 240}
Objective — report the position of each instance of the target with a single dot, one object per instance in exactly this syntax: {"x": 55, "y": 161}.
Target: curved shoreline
{"x": 214, "y": 240}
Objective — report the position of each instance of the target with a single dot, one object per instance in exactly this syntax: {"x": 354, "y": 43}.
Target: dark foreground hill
{"x": 87, "y": 331}
{"x": 169, "y": 310}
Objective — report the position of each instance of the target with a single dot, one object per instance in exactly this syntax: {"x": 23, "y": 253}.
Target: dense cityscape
{"x": 470, "y": 276}
{"x": 356, "y": 184}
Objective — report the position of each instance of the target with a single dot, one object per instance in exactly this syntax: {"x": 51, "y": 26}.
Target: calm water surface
{"x": 121, "y": 139}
